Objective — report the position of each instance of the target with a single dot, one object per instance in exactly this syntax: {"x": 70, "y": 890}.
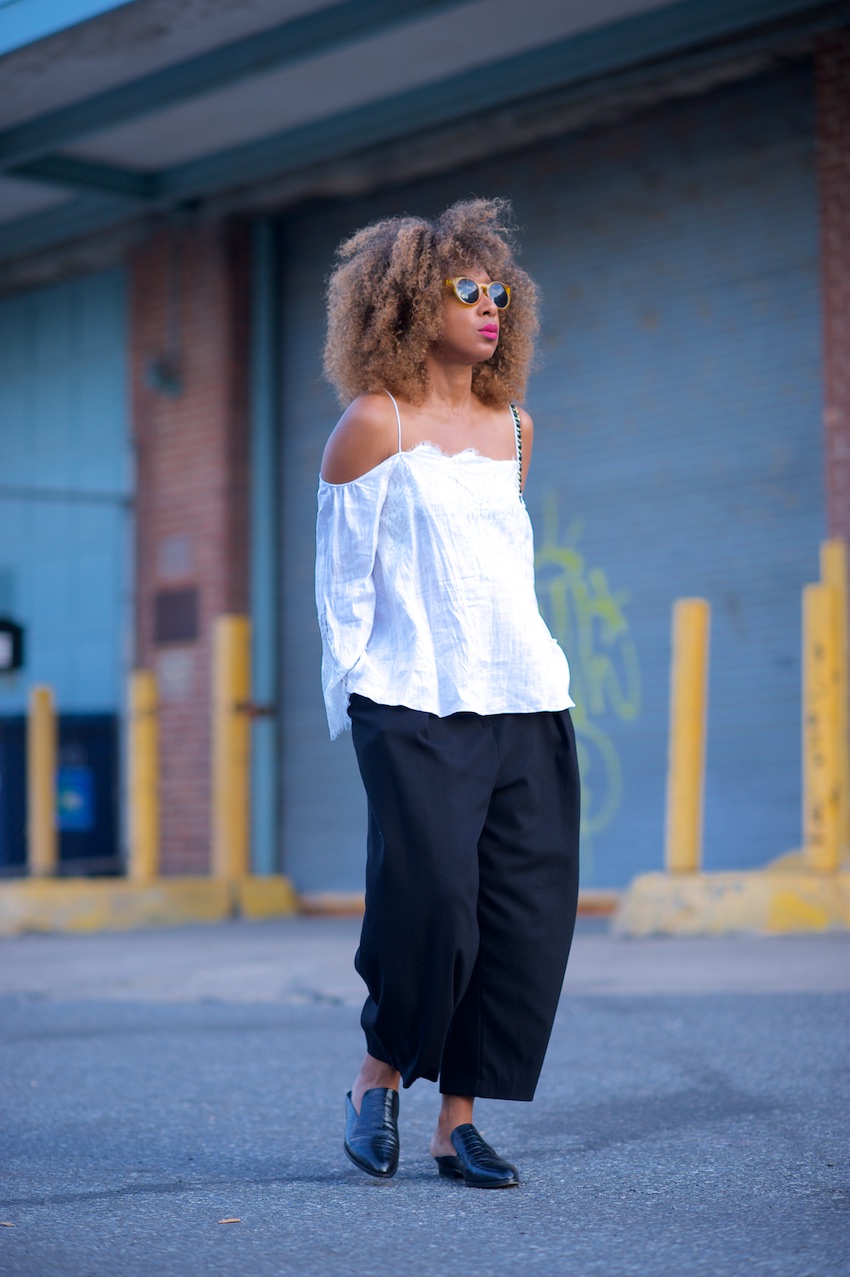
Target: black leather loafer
{"x": 371, "y": 1136}
{"x": 477, "y": 1164}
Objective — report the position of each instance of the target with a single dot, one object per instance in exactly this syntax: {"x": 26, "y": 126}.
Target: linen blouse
{"x": 425, "y": 590}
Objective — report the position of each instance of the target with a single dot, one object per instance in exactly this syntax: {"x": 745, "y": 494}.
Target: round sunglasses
{"x": 468, "y": 292}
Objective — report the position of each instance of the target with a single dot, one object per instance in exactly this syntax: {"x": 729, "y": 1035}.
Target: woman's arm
{"x": 365, "y": 435}
{"x": 347, "y": 527}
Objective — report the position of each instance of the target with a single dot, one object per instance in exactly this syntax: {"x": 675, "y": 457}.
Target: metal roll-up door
{"x": 678, "y": 452}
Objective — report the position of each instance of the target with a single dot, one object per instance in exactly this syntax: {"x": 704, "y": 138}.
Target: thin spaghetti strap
{"x": 518, "y": 442}
{"x": 397, "y": 417}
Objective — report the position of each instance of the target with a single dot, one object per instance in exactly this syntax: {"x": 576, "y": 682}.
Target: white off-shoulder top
{"x": 425, "y": 590}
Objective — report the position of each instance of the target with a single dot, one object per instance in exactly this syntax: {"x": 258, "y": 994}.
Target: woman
{"x": 458, "y": 697}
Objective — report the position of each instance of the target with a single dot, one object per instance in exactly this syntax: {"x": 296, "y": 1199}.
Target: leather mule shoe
{"x": 371, "y": 1136}
{"x": 476, "y": 1163}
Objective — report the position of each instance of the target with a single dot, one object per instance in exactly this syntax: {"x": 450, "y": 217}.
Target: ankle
{"x": 456, "y": 1111}
{"x": 373, "y": 1073}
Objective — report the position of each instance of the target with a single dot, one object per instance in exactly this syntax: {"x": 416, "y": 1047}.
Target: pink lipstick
{"x": 490, "y": 331}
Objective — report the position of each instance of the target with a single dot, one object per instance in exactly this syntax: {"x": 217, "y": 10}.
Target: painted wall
{"x": 66, "y": 476}
{"x": 678, "y": 452}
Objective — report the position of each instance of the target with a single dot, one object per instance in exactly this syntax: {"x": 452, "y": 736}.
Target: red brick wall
{"x": 193, "y": 474}
{"x": 833, "y": 112}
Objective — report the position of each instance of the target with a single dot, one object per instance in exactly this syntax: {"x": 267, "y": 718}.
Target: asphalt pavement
{"x": 171, "y": 1104}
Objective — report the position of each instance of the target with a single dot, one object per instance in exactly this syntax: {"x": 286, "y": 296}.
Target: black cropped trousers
{"x": 471, "y": 889}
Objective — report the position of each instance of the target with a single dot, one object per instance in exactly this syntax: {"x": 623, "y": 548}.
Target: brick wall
{"x": 192, "y": 518}
{"x": 833, "y": 114}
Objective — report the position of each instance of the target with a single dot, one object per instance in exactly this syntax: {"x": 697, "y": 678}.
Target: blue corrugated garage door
{"x": 65, "y": 487}
{"x": 65, "y": 527}
{"x": 678, "y": 453}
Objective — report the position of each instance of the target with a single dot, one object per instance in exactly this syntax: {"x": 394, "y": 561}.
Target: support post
{"x": 231, "y": 812}
{"x": 821, "y": 755}
{"x": 266, "y": 345}
{"x": 144, "y": 777}
{"x": 833, "y": 572}
{"x": 686, "y": 762}
{"x": 42, "y": 836}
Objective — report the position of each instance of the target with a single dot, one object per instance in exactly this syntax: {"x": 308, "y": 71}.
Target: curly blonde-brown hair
{"x": 385, "y": 303}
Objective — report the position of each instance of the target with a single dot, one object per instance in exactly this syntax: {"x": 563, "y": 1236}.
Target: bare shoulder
{"x": 527, "y": 426}
{"x": 365, "y": 435}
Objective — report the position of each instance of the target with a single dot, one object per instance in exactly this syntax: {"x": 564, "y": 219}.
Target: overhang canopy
{"x": 148, "y": 105}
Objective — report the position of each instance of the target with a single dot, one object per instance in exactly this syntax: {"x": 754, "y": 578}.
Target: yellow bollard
{"x": 821, "y": 755}
{"x": 144, "y": 778}
{"x": 833, "y": 571}
{"x": 231, "y": 747}
{"x": 686, "y": 763}
{"x": 42, "y": 836}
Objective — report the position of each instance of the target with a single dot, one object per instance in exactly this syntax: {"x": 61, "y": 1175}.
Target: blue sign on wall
{"x": 75, "y": 799}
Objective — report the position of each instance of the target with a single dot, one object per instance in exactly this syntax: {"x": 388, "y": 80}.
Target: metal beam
{"x": 72, "y": 220}
{"x": 574, "y": 61}
{"x": 269, "y": 50}
{"x": 65, "y": 170}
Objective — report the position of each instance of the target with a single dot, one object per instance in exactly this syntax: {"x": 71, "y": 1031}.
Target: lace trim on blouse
{"x": 425, "y": 589}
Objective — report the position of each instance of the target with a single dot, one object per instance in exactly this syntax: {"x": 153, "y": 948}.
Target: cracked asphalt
{"x": 692, "y": 1116}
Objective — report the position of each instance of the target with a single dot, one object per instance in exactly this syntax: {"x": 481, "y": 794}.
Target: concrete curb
{"x": 113, "y": 904}
{"x": 764, "y": 901}
{"x": 351, "y": 904}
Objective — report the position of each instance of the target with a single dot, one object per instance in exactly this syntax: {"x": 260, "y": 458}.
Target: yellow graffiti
{"x": 589, "y": 622}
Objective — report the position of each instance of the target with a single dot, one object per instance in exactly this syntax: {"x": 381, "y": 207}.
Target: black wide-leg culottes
{"x": 471, "y": 890}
